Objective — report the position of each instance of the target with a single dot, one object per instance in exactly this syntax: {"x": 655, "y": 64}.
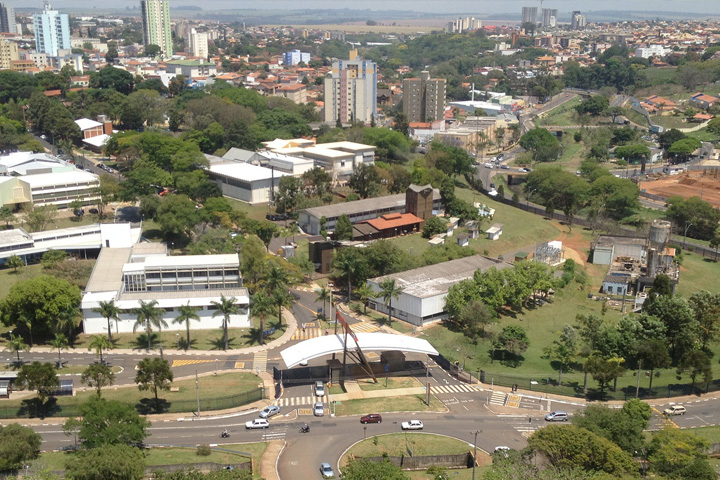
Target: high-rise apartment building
{"x": 8, "y": 53}
{"x": 351, "y": 90}
{"x": 424, "y": 98}
{"x": 7, "y": 18}
{"x": 197, "y": 43}
{"x": 52, "y": 31}
{"x": 578, "y": 20}
{"x": 549, "y": 17}
{"x": 156, "y": 25}
{"x": 464, "y": 24}
{"x": 293, "y": 57}
{"x": 529, "y": 15}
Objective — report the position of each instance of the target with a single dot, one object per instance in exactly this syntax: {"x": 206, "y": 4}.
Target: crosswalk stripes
{"x": 260, "y": 361}
{"x": 308, "y": 333}
{"x": 180, "y": 363}
{"x": 454, "y": 389}
{"x": 276, "y": 432}
{"x": 364, "y": 327}
{"x": 298, "y": 401}
{"x": 497, "y": 398}
{"x": 522, "y": 423}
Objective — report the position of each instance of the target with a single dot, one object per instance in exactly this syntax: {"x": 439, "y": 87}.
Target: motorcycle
{"x": 224, "y": 435}
{"x": 305, "y": 429}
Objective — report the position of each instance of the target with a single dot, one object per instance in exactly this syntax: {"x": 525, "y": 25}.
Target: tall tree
{"x": 343, "y": 228}
{"x": 348, "y": 263}
{"x": 365, "y": 180}
{"x": 148, "y": 316}
{"x": 97, "y": 375}
{"x": 696, "y": 363}
{"x": 61, "y": 343}
{"x": 324, "y": 294}
{"x": 653, "y": 354}
{"x": 110, "y": 422}
{"x": 389, "y": 291}
{"x": 109, "y": 462}
{"x": 276, "y": 282}
{"x": 109, "y": 311}
{"x": 19, "y": 445}
{"x": 41, "y": 377}
{"x": 16, "y": 345}
{"x": 186, "y": 313}
{"x": 706, "y": 307}
{"x": 100, "y": 343}
{"x": 225, "y": 307}
{"x": 261, "y": 306}
{"x": 604, "y": 370}
{"x": 155, "y": 374}
{"x": 563, "y": 350}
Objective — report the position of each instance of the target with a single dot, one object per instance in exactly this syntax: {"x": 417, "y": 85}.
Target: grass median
{"x": 405, "y": 403}
{"x": 173, "y": 456}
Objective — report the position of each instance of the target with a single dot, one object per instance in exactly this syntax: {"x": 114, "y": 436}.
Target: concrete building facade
{"x": 529, "y": 15}
{"x": 197, "y": 43}
{"x": 8, "y": 54}
{"x": 424, "y": 98}
{"x": 293, "y": 57}
{"x": 52, "y": 31}
{"x": 7, "y": 19}
{"x": 351, "y": 91}
{"x": 156, "y": 25}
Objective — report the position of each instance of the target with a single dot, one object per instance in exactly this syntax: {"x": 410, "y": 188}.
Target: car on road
{"x": 94, "y": 211}
{"x": 319, "y": 409}
{"x": 319, "y": 389}
{"x": 488, "y": 165}
{"x": 269, "y": 411}
{"x": 675, "y": 410}
{"x": 326, "y": 470}
{"x": 257, "y": 423}
{"x": 412, "y": 425}
{"x": 505, "y": 167}
{"x": 557, "y": 417}
{"x": 371, "y": 418}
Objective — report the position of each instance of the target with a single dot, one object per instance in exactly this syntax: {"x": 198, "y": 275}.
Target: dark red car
{"x": 372, "y": 418}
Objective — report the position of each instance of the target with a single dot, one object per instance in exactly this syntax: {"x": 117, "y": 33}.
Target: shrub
{"x": 203, "y": 451}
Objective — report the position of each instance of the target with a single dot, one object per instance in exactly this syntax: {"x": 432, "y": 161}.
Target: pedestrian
{"x": 326, "y": 331}
{"x": 303, "y": 327}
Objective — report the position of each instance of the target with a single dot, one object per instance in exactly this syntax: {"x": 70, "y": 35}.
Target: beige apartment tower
{"x": 8, "y": 53}
{"x": 424, "y": 98}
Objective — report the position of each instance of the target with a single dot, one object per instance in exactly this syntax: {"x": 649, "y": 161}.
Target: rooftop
{"x": 16, "y": 236}
{"x": 86, "y": 124}
{"x": 106, "y": 275}
{"x": 437, "y": 279}
{"x": 59, "y": 178}
{"x": 244, "y": 171}
{"x": 361, "y": 206}
{"x": 394, "y": 220}
{"x": 610, "y": 240}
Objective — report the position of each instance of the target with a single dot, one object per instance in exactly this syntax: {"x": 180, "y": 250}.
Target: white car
{"x": 257, "y": 423}
{"x": 319, "y": 389}
{"x": 319, "y": 409}
{"x": 412, "y": 425}
{"x": 675, "y": 410}
{"x": 502, "y": 450}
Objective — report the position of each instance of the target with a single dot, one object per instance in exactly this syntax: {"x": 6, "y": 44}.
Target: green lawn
{"x": 391, "y": 382}
{"x": 396, "y": 444}
{"x": 695, "y": 274}
{"x": 406, "y": 403}
{"x": 564, "y": 115}
{"x": 211, "y": 388}
{"x": 658, "y": 76}
{"x": 9, "y": 277}
{"x": 704, "y": 135}
{"x": 170, "y": 456}
{"x": 256, "y": 212}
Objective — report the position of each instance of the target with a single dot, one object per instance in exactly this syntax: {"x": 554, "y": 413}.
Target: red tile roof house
{"x": 657, "y": 103}
{"x": 703, "y": 100}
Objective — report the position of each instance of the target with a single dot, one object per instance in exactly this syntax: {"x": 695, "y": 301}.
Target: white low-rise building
{"x": 244, "y": 181}
{"x": 422, "y": 300}
{"x": 145, "y": 272}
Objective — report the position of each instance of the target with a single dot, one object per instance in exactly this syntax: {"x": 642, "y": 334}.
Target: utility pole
{"x": 197, "y": 392}
{"x": 475, "y": 453}
{"x": 427, "y": 384}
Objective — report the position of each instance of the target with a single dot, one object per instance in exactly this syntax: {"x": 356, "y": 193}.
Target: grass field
{"x": 170, "y": 456}
{"x": 396, "y": 444}
{"x": 210, "y": 387}
{"x": 391, "y": 382}
{"x": 695, "y": 273}
{"x": 562, "y": 116}
{"x": 658, "y": 76}
{"x": 406, "y": 403}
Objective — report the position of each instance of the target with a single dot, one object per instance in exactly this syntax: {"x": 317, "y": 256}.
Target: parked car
{"x": 319, "y": 389}
{"x": 319, "y": 409}
{"x": 412, "y": 425}
{"x": 675, "y": 410}
{"x": 326, "y": 470}
{"x": 269, "y": 411}
{"x": 488, "y": 165}
{"x": 505, "y": 167}
{"x": 372, "y": 418}
{"x": 257, "y": 423}
{"x": 94, "y": 211}
{"x": 557, "y": 417}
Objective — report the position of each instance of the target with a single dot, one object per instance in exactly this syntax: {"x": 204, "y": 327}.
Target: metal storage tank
{"x": 660, "y": 232}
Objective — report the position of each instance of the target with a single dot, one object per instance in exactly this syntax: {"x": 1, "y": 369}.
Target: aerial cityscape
{"x": 402, "y": 241}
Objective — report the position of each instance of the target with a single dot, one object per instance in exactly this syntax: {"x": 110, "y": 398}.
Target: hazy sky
{"x": 427, "y": 6}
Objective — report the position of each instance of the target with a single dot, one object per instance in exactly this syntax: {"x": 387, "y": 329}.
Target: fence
{"x": 548, "y": 385}
{"x": 463, "y": 460}
{"x": 70, "y": 407}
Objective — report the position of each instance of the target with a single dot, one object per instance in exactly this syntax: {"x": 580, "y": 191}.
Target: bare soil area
{"x": 704, "y": 184}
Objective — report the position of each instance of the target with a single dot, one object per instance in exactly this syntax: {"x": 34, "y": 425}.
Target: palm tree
{"x": 60, "y": 342}
{"x": 185, "y": 314}
{"x": 276, "y": 282}
{"x": 261, "y": 306}
{"x": 226, "y": 307}
{"x": 365, "y": 292}
{"x": 66, "y": 320}
{"x": 389, "y": 290}
{"x": 347, "y": 264}
{"x": 100, "y": 343}
{"x": 16, "y": 344}
{"x": 324, "y": 295}
{"x": 150, "y": 315}
{"x": 109, "y": 311}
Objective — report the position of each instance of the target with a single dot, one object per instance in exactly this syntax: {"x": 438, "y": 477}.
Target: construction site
{"x": 694, "y": 183}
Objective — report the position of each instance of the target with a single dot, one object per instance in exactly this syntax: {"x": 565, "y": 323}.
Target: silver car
{"x": 319, "y": 409}
{"x": 269, "y": 411}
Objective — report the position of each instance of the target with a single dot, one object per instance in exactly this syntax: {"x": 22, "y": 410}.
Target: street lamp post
{"x": 527, "y": 199}
{"x": 475, "y": 452}
{"x": 687, "y": 225}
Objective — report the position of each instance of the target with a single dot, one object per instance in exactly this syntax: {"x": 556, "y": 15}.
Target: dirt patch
{"x": 703, "y": 184}
{"x": 574, "y": 246}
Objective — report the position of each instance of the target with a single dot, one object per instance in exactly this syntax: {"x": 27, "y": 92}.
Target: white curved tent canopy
{"x": 329, "y": 344}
